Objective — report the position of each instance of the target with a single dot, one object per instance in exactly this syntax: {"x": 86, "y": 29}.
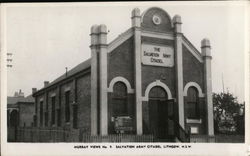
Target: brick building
{"x": 20, "y": 110}
{"x": 149, "y": 80}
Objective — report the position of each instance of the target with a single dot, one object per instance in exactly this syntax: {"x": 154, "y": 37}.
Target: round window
{"x": 156, "y": 20}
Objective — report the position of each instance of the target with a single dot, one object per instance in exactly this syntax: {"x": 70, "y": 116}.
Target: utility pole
{"x": 222, "y": 83}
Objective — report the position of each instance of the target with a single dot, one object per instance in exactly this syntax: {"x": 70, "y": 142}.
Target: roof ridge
{"x": 120, "y": 36}
{"x": 195, "y": 49}
{"x": 79, "y": 67}
{"x": 119, "y": 39}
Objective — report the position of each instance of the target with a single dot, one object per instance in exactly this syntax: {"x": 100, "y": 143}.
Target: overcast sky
{"x": 45, "y": 39}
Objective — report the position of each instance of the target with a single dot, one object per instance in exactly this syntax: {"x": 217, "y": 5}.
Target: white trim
{"x": 196, "y": 128}
{"x": 41, "y": 99}
{"x": 138, "y": 77}
{"x": 154, "y": 84}
{"x": 120, "y": 79}
{"x": 193, "y": 51}
{"x": 93, "y": 109}
{"x": 179, "y": 82}
{"x": 168, "y": 36}
{"x": 119, "y": 40}
{"x": 12, "y": 109}
{"x": 53, "y": 95}
{"x": 67, "y": 89}
{"x": 193, "y": 84}
{"x": 197, "y": 121}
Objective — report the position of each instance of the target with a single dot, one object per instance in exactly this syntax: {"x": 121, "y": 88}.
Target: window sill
{"x": 197, "y": 121}
{"x": 74, "y": 103}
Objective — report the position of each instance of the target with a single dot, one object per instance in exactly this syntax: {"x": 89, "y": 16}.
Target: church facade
{"x": 149, "y": 80}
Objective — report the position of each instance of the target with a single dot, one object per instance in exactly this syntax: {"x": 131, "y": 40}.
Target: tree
{"x": 227, "y": 109}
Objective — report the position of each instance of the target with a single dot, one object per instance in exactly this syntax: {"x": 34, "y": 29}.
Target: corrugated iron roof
{"x": 15, "y": 100}
{"x": 82, "y": 66}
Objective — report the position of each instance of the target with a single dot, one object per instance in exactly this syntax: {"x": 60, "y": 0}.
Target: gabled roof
{"x": 76, "y": 69}
{"x": 80, "y": 67}
{"x": 192, "y": 48}
{"x": 87, "y": 64}
{"x": 15, "y": 100}
{"x": 114, "y": 44}
{"x": 120, "y": 39}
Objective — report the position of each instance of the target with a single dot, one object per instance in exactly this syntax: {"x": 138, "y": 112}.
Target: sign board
{"x": 156, "y": 55}
{"x": 123, "y": 124}
{"x": 194, "y": 130}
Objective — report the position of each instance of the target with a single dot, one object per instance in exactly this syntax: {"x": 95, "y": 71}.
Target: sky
{"x": 46, "y": 38}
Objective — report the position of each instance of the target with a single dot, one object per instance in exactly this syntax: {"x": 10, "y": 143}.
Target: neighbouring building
{"x": 20, "y": 110}
{"x": 149, "y": 80}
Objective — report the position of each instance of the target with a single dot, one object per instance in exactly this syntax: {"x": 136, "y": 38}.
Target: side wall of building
{"x": 26, "y": 112}
{"x": 84, "y": 102}
{"x": 78, "y": 88}
{"x": 193, "y": 71}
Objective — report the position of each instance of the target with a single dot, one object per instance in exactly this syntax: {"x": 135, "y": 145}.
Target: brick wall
{"x": 145, "y": 117}
{"x": 148, "y": 24}
{"x": 79, "y": 87}
{"x": 26, "y": 112}
{"x": 84, "y": 102}
{"x": 152, "y": 73}
{"x": 193, "y": 71}
{"x": 51, "y": 93}
{"x": 65, "y": 88}
{"x": 121, "y": 62}
{"x": 40, "y": 97}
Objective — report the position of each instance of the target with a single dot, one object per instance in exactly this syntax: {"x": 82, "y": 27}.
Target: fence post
{"x": 15, "y": 133}
{"x": 50, "y": 136}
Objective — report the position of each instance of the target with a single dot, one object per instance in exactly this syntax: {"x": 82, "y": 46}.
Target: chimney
{"x": 16, "y": 94}
{"x": 34, "y": 90}
{"x": 46, "y": 83}
{"x": 20, "y": 94}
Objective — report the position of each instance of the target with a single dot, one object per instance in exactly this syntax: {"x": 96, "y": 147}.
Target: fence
{"x": 223, "y": 138}
{"x": 119, "y": 138}
{"x": 30, "y": 134}
{"x": 11, "y": 134}
{"x": 220, "y": 138}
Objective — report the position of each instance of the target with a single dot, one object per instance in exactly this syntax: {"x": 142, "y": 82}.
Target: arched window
{"x": 120, "y": 99}
{"x": 158, "y": 93}
{"x": 14, "y": 118}
{"x": 192, "y": 103}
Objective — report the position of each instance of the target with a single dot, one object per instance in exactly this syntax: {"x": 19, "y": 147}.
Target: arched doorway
{"x": 160, "y": 115}
{"x": 14, "y": 118}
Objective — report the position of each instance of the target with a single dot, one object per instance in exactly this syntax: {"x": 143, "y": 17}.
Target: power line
{"x": 222, "y": 83}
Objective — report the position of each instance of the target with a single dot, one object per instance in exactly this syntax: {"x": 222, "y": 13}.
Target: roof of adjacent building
{"x": 11, "y": 100}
